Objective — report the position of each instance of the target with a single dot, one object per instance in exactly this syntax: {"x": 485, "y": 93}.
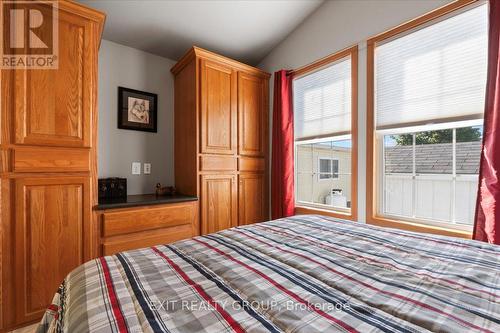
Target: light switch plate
{"x": 147, "y": 168}
{"x": 136, "y": 168}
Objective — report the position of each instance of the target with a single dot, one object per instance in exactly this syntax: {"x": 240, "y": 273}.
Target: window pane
{"x": 469, "y": 140}
{"x": 325, "y": 165}
{"x": 434, "y": 152}
{"x": 398, "y": 157}
{"x": 335, "y": 168}
{"x": 304, "y": 172}
{"x": 465, "y": 199}
{"x": 433, "y": 181}
{"x": 434, "y": 191}
{"x": 324, "y": 173}
{"x": 433, "y": 198}
{"x": 398, "y": 153}
{"x": 468, "y": 152}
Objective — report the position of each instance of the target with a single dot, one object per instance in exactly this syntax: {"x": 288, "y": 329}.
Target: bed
{"x": 301, "y": 274}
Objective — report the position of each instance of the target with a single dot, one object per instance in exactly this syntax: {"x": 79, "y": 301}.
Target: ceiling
{"x": 246, "y": 30}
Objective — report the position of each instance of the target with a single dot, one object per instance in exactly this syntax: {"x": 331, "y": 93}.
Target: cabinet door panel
{"x": 53, "y": 107}
{"x": 252, "y": 199}
{"x": 252, "y": 115}
{"x": 218, "y": 108}
{"x": 52, "y": 217}
{"x": 218, "y": 203}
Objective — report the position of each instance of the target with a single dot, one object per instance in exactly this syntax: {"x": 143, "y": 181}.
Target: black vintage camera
{"x": 112, "y": 188}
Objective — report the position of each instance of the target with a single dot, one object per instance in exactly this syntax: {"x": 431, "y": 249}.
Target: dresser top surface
{"x": 142, "y": 200}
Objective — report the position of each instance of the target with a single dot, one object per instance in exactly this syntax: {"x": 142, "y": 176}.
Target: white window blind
{"x": 322, "y": 102}
{"x": 434, "y": 74}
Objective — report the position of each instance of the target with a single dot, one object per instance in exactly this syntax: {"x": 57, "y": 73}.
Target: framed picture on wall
{"x": 137, "y": 110}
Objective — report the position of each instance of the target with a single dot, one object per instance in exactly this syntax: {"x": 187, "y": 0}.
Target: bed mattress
{"x": 300, "y": 274}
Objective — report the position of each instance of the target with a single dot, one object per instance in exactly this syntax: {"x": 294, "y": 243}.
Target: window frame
{"x": 320, "y": 173}
{"x": 372, "y": 162}
{"x": 352, "y": 213}
{"x": 453, "y": 176}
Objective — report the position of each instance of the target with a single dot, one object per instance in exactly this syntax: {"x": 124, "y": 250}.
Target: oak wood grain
{"x": 52, "y": 107}
{"x": 48, "y": 173}
{"x": 251, "y": 164}
{"x": 198, "y": 52}
{"x": 218, "y": 108}
{"x": 223, "y": 104}
{"x": 148, "y": 238}
{"x": 148, "y": 218}
{"x": 251, "y": 198}
{"x": 41, "y": 159}
{"x": 218, "y": 202}
{"x": 217, "y": 163}
{"x": 52, "y": 215}
{"x": 186, "y": 134}
{"x": 252, "y": 115}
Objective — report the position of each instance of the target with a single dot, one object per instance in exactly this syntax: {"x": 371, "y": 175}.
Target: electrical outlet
{"x": 136, "y": 168}
{"x": 147, "y": 168}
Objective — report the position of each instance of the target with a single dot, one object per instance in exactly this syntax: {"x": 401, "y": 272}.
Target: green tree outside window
{"x": 465, "y": 134}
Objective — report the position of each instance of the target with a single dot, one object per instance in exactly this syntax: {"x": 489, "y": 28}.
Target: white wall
{"x": 334, "y": 26}
{"x": 117, "y": 148}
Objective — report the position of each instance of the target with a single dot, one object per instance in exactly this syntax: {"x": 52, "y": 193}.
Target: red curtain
{"x": 282, "y": 177}
{"x": 487, "y": 224}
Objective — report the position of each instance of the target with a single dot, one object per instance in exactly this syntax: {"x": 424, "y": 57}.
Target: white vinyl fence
{"x": 431, "y": 196}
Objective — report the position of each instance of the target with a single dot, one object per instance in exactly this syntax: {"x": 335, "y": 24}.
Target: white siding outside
{"x": 433, "y": 197}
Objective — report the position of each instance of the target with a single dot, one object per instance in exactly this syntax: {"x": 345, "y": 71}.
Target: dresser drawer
{"x": 126, "y": 221}
{"x": 139, "y": 240}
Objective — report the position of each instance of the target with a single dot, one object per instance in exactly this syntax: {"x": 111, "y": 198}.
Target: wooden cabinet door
{"x": 218, "y": 202}
{"x": 51, "y": 223}
{"x": 218, "y": 108}
{"x": 252, "y": 196}
{"x": 54, "y": 107}
{"x": 252, "y": 115}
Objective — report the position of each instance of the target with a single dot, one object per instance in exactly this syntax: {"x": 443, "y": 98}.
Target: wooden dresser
{"x": 146, "y": 220}
{"x": 48, "y": 168}
{"x": 222, "y": 138}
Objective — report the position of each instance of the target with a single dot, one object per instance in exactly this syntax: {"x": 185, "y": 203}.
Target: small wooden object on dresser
{"x": 48, "y": 166}
{"x": 222, "y": 138}
{"x": 128, "y": 228}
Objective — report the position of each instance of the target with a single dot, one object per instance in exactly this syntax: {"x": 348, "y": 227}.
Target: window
{"x": 328, "y": 168}
{"x": 425, "y": 118}
{"x": 324, "y": 100}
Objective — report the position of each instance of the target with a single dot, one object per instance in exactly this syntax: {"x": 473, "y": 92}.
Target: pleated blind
{"x": 322, "y": 101}
{"x": 434, "y": 74}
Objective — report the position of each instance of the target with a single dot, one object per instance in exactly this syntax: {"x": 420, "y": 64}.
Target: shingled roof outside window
{"x": 434, "y": 158}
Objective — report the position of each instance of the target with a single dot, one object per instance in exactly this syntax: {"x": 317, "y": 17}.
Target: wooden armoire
{"x": 48, "y": 168}
{"x": 222, "y": 138}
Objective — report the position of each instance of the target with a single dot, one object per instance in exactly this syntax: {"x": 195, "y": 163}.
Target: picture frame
{"x": 137, "y": 110}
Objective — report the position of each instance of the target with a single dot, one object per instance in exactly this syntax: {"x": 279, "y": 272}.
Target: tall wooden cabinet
{"x": 221, "y": 138}
{"x": 48, "y": 168}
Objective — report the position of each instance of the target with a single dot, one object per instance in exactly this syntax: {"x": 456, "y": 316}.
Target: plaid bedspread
{"x": 299, "y": 274}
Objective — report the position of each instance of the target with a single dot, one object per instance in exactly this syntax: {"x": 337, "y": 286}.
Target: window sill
{"x": 302, "y": 210}
{"x": 417, "y": 227}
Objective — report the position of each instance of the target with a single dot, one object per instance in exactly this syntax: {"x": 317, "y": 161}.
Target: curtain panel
{"x": 282, "y": 168}
{"x": 487, "y": 219}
